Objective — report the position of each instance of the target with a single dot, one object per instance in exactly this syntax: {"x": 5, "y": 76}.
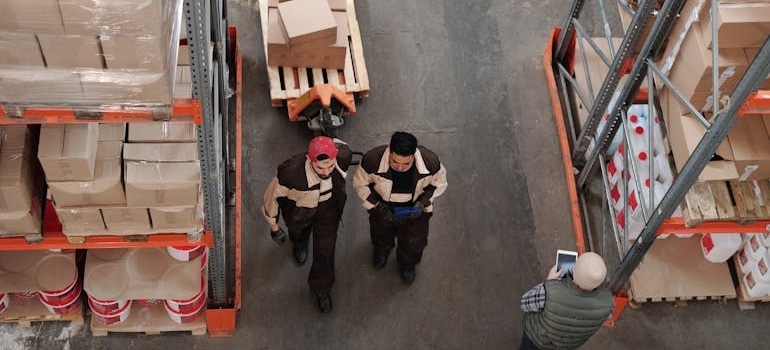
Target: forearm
{"x": 270, "y": 208}
{"x": 361, "y": 184}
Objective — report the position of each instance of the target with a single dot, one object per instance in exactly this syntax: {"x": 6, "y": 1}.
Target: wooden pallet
{"x": 740, "y": 201}
{"x": 292, "y": 82}
{"x": 30, "y": 238}
{"x": 674, "y": 270}
{"x": 150, "y": 320}
{"x": 24, "y": 311}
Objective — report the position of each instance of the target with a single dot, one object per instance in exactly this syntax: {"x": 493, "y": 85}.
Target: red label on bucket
{"x": 707, "y": 242}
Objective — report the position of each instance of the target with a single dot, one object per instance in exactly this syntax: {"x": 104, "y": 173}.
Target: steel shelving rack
{"x": 584, "y": 147}
{"x": 213, "y": 51}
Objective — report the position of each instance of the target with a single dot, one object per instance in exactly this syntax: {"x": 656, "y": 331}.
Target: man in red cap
{"x": 308, "y": 190}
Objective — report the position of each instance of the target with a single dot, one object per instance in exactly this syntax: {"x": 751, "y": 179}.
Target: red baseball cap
{"x": 321, "y": 145}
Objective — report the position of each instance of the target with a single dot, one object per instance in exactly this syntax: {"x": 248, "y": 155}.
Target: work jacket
{"x": 373, "y": 181}
{"x": 296, "y": 187}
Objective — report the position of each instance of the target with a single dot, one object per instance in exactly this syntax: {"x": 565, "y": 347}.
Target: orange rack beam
{"x": 182, "y": 109}
{"x": 677, "y": 226}
{"x": 757, "y": 103}
{"x": 57, "y": 240}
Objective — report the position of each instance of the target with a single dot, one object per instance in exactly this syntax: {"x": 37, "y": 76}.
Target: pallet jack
{"x": 324, "y": 107}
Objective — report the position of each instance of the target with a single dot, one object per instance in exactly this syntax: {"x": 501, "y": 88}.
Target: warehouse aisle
{"x": 466, "y": 78}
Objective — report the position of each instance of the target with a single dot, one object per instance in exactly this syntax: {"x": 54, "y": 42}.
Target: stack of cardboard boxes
{"x": 88, "y": 52}
{"x": 20, "y": 202}
{"x": 742, "y": 26}
{"x": 105, "y": 179}
{"x": 307, "y": 33}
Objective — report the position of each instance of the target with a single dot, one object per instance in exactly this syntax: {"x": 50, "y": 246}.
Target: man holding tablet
{"x": 566, "y": 310}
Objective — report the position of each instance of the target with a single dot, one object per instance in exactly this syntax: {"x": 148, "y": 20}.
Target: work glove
{"x": 384, "y": 212}
{"x": 412, "y": 212}
{"x": 278, "y": 236}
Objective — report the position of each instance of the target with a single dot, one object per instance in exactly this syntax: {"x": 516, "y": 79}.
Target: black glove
{"x": 278, "y": 236}
{"x": 417, "y": 210}
{"x": 384, "y": 212}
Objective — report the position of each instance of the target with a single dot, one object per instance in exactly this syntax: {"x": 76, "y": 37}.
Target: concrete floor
{"x": 466, "y": 78}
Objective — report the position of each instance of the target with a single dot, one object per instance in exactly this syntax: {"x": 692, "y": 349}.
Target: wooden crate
{"x": 292, "y": 82}
{"x": 741, "y": 201}
{"x": 151, "y": 320}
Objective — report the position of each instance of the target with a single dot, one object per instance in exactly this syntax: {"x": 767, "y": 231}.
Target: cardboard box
{"x": 16, "y": 182}
{"x": 31, "y": 16}
{"x": 22, "y": 85}
{"x": 335, "y": 5}
{"x": 95, "y": 17}
{"x": 71, "y": 51}
{"x": 67, "y": 152}
{"x": 331, "y": 57}
{"x": 277, "y": 40}
{"x": 17, "y": 139}
{"x": 743, "y": 155}
{"x": 168, "y": 131}
{"x": 148, "y": 53}
{"x": 750, "y": 54}
{"x": 739, "y": 25}
{"x": 105, "y": 189}
{"x": 691, "y": 73}
{"x": 308, "y": 21}
{"x": 684, "y": 133}
{"x": 21, "y": 222}
{"x": 112, "y": 131}
{"x": 750, "y": 144}
{"x": 174, "y": 217}
{"x": 127, "y": 86}
{"x": 183, "y": 54}
{"x": 161, "y": 152}
{"x": 126, "y": 219}
{"x": 162, "y": 184}
{"x": 81, "y": 220}
{"x": 20, "y": 49}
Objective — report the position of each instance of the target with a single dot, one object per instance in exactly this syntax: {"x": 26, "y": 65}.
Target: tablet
{"x": 565, "y": 261}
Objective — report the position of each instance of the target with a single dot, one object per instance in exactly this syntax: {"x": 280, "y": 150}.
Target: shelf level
{"x": 181, "y": 110}
{"x": 57, "y": 240}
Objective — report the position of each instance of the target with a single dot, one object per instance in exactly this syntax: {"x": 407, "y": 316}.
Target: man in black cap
{"x": 398, "y": 183}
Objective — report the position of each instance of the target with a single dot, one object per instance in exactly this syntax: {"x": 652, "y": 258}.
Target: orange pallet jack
{"x": 324, "y": 107}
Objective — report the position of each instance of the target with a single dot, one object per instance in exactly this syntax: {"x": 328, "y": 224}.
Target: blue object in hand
{"x": 407, "y": 212}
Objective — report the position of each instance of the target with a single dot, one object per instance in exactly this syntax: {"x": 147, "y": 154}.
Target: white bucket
{"x": 106, "y": 306}
{"x": 765, "y": 238}
{"x": 185, "y": 253}
{"x": 110, "y": 317}
{"x": 56, "y": 297}
{"x": 754, "y": 247}
{"x": 718, "y": 248}
{"x": 185, "y": 317}
{"x": 189, "y": 305}
{"x": 205, "y": 259}
{"x": 754, "y": 287}
{"x": 745, "y": 260}
{"x": 66, "y": 305}
{"x": 761, "y": 270}
{"x": 5, "y": 300}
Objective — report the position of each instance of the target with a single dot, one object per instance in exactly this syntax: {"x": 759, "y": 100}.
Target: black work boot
{"x": 300, "y": 255}
{"x": 324, "y": 303}
{"x": 380, "y": 258}
{"x": 407, "y": 274}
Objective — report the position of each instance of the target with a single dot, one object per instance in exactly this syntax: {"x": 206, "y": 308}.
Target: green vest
{"x": 570, "y": 316}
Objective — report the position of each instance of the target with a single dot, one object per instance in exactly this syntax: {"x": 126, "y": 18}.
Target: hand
{"x": 278, "y": 235}
{"x": 554, "y": 273}
{"x": 384, "y": 212}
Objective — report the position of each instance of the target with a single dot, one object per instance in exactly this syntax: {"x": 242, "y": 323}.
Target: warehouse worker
{"x": 398, "y": 184}
{"x": 308, "y": 190}
{"x": 563, "y": 312}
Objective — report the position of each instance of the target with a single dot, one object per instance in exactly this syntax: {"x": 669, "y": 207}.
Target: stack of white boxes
{"x": 88, "y": 52}
{"x": 20, "y": 205}
{"x": 120, "y": 179}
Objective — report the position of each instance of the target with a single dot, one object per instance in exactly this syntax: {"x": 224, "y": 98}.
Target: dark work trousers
{"x": 411, "y": 234}
{"x": 526, "y": 343}
{"x": 323, "y": 225}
